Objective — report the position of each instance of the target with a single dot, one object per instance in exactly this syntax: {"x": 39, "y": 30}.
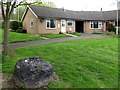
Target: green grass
{"x": 108, "y": 33}
{"x": 55, "y": 35}
{"x": 77, "y": 34}
{"x": 1, "y": 39}
{"x": 86, "y": 63}
{"x": 20, "y": 37}
{"x": 0, "y": 62}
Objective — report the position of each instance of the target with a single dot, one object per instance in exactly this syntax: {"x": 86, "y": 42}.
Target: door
{"x": 79, "y": 26}
{"x": 63, "y": 26}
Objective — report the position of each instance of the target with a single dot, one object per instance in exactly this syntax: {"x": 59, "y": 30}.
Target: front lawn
{"x": 20, "y": 37}
{"x": 86, "y": 63}
{"x": 0, "y": 62}
{"x": 55, "y": 35}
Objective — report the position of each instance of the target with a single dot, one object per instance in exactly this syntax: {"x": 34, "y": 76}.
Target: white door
{"x": 63, "y": 26}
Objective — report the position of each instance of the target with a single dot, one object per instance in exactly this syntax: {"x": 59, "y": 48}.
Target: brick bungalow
{"x": 43, "y": 20}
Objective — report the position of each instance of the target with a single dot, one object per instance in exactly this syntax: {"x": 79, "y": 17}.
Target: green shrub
{"x": 76, "y": 33}
{"x": 14, "y": 25}
{"x": 11, "y": 30}
{"x": 54, "y": 35}
{"x": 19, "y": 30}
{"x": 111, "y": 28}
{"x": 20, "y": 24}
{"x": 1, "y": 24}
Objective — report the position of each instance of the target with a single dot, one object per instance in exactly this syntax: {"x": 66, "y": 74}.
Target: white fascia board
{"x": 23, "y": 14}
{"x": 32, "y": 12}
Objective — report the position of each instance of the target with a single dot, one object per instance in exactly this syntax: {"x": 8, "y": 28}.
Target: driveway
{"x": 32, "y": 43}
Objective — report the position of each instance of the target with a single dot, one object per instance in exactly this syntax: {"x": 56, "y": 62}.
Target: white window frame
{"x": 31, "y": 21}
{"x": 48, "y": 20}
{"x": 68, "y": 22}
{"x": 99, "y": 24}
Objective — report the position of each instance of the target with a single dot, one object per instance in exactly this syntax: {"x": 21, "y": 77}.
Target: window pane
{"x": 70, "y": 22}
{"x": 100, "y": 25}
{"x": 48, "y": 25}
{"x": 52, "y": 23}
{"x": 92, "y": 25}
{"x": 95, "y": 24}
{"x": 31, "y": 23}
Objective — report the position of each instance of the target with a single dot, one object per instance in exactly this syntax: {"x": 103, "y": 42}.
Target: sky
{"x": 86, "y": 5}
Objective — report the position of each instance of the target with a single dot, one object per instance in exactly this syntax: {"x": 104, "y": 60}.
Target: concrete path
{"x": 71, "y": 35}
{"x": 32, "y": 43}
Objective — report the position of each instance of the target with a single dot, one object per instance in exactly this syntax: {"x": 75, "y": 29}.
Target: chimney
{"x": 63, "y": 9}
{"x": 101, "y": 9}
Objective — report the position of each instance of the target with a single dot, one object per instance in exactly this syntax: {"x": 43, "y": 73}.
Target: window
{"x": 31, "y": 23}
{"x": 50, "y": 23}
{"x": 95, "y": 24}
{"x": 70, "y": 23}
{"x": 100, "y": 25}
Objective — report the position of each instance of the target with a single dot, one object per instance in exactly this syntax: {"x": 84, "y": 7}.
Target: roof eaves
{"x": 32, "y": 12}
{"x": 23, "y": 16}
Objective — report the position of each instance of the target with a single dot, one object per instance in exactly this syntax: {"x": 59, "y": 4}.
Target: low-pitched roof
{"x": 45, "y": 12}
{"x": 110, "y": 15}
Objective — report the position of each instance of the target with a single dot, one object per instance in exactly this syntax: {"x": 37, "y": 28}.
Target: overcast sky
{"x": 85, "y": 5}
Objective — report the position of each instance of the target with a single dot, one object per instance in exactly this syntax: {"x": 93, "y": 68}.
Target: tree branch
{"x": 21, "y": 3}
{"x": 7, "y": 9}
{"x": 12, "y": 8}
{"x": 2, "y": 7}
{"x": 18, "y": 4}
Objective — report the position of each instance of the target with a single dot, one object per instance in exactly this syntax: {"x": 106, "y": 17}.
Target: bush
{"x": 1, "y": 24}
{"x": 20, "y": 24}
{"x": 19, "y": 30}
{"x": 60, "y": 32}
{"x": 11, "y": 30}
{"x": 76, "y": 33}
{"x": 24, "y": 30}
{"x": 14, "y": 25}
{"x": 111, "y": 28}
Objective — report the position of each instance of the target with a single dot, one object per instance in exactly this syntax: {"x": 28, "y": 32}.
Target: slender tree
{"x": 7, "y": 7}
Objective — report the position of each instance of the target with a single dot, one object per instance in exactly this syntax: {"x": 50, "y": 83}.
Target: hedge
{"x": 14, "y": 25}
{"x": 20, "y": 24}
{"x": 1, "y": 24}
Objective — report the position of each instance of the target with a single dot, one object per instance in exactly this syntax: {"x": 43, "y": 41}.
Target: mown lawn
{"x": 55, "y": 35}
{"x": 20, "y": 37}
{"x": 0, "y": 62}
{"x": 86, "y": 63}
{"x": 23, "y": 37}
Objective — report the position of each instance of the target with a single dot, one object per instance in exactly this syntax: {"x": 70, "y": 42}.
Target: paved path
{"x": 71, "y": 35}
{"x": 32, "y": 43}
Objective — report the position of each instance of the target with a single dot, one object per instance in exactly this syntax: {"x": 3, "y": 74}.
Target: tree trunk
{"x": 5, "y": 40}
